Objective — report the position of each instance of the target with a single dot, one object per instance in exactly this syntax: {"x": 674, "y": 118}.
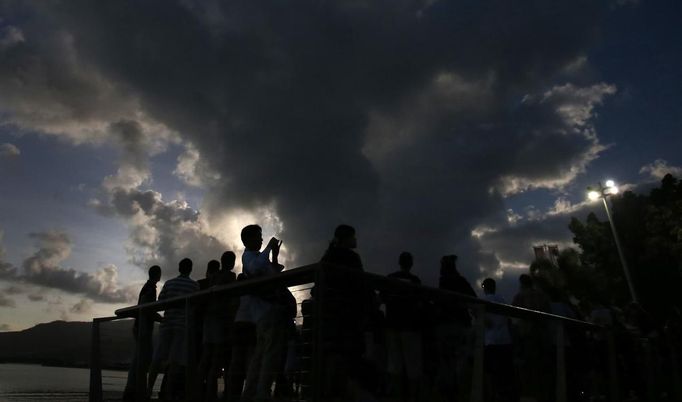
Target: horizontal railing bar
{"x": 305, "y": 274}
{"x": 107, "y": 319}
{"x": 491, "y": 307}
{"x": 292, "y": 277}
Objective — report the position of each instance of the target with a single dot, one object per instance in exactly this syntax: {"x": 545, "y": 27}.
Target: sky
{"x": 138, "y": 133}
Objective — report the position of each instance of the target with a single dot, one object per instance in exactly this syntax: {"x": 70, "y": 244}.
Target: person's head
{"x": 155, "y": 273}
{"x": 489, "y": 286}
{"x": 212, "y": 268}
{"x": 252, "y": 237}
{"x": 448, "y": 265}
{"x": 405, "y": 261}
{"x": 344, "y": 237}
{"x": 526, "y": 281}
{"x": 185, "y": 266}
{"x": 227, "y": 260}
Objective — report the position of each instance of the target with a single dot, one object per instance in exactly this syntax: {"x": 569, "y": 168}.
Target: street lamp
{"x": 603, "y": 192}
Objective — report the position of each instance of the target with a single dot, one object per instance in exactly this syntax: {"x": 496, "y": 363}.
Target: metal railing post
{"x": 479, "y": 355}
{"x": 190, "y": 357}
{"x": 614, "y": 387}
{"x": 674, "y": 365}
{"x": 95, "y": 394}
{"x": 318, "y": 375}
{"x": 140, "y": 374}
{"x": 649, "y": 370}
{"x": 560, "y": 362}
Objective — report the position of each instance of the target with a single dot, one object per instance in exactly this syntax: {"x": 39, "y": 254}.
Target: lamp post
{"x": 603, "y": 192}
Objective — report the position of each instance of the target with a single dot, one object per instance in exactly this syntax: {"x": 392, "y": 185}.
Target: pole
{"x": 614, "y": 387}
{"x": 140, "y": 369}
{"x": 319, "y": 375}
{"x": 623, "y": 262}
{"x": 190, "y": 344}
{"x": 479, "y": 355}
{"x": 95, "y": 394}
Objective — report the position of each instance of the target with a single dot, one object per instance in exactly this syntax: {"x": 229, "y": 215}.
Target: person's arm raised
{"x": 275, "y": 253}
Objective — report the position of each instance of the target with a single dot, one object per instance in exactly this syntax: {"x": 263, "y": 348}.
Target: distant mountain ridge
{"x": 67, "y": 343}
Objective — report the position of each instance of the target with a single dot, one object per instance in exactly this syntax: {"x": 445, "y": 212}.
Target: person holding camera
{"x": 267, "y": 310}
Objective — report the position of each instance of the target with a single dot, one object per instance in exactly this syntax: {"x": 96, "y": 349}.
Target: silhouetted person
{"x": 243, "y": 342}
{"x": 143, "y": 333}
{"x": 213, "y": 336}
{"x": 560, "y": 305}
{"x": 499, "y": 351}
{"x": 269, "y": 315}
{"x": 403, "y": 335}
{"x": 347, "y": 312}
{"x": 227, "y": 261}
{"x": 341, "y": 249}
{"x": 171, "y": 352}
{"x": 533, "y": 343}
{"x": 212, "y": 268}
{"x": 454, "y": 330}
{"x": 199, "y": 322}
{"x": 530, "y": 297}
{"x": 227, "y": 307}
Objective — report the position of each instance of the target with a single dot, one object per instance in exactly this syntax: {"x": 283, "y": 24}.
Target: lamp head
{"x": 593, "y": 195}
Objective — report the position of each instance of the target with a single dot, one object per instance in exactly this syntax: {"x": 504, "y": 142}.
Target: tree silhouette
{"x": 650, "y": 227}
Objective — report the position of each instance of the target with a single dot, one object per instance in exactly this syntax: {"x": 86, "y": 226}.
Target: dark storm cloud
{"x": 409, "y": 119}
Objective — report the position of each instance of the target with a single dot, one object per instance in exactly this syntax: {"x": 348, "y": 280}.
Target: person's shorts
{"x": 172, "y": 347}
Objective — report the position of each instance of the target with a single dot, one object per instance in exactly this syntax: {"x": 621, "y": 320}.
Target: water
{"x": 27, "y": 382}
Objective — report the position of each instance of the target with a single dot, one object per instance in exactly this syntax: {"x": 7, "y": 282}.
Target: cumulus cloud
{"x": 6, "y": 301}
{"x": 561, "y": 143}
{"x": 13, "y": 290}
{"x": 36, "y": 297}
{"x": 409, "y": 119}
{"x": 7, "y": 270}
{"x": 8, "y": 150}
{"x": 192, "y": 170}
{"x": 659, "y": 168}
{"x": 44, "y": 268}
{"x": 510, "y": 244}
{"x": 84, "y": 306}
{"x": 161, "y": 232}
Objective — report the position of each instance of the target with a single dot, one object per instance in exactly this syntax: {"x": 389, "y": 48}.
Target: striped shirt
{"x": 178, "y": 286}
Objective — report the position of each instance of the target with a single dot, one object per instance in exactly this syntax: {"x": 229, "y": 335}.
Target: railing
{"x": 319, "y": 275}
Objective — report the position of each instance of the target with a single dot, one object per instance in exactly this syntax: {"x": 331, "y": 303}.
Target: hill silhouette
{"x": 64, "y": 343}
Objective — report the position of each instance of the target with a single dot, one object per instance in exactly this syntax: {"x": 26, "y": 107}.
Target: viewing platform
{"x": 580, "y": 360}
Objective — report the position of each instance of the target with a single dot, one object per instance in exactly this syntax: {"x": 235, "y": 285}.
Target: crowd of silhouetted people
{"x": 375, "y": 342}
